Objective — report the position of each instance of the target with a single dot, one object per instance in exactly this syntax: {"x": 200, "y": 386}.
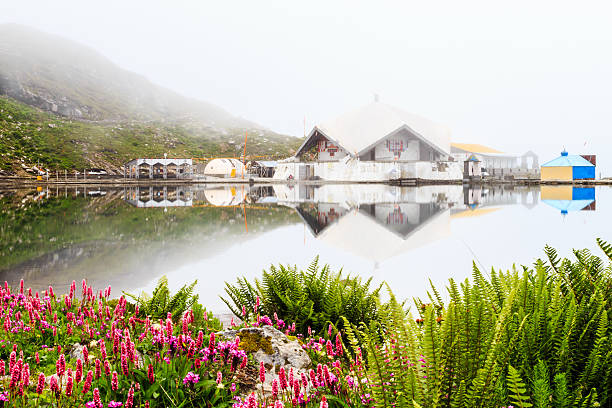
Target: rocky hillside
{"x": 92, "y": 113}
{"x": 72, "y": 80}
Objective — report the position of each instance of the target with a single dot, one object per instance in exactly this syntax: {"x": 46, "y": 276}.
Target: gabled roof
{"x": 474, "y": 148}
{"x": 359, "y": 130}
{"x": 569, "y": 161}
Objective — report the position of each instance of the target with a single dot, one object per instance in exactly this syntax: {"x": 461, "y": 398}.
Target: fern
{"x": 517, "y": 389}
{"x": 605, "y": 247}
{"x": 561, "y": 394}
{"x": 541, "y": 388}
{"x": 161, "y": 303}
{"x": 313, "y": 298}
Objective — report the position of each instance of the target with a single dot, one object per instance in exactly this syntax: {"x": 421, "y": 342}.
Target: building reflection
{"x": 379, "y": 221}
{"x": 569, "y": 198}
{"x": 376, "y": 221}
{"x": 159, "y": 196}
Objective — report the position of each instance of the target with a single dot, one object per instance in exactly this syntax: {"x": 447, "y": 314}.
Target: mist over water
{"x": 129, "y": 237}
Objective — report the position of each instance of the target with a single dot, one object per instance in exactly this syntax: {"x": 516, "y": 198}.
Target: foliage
{"x": 162, "y": 303}
{"x": 533, "y": 336}
{"x": 312, "y": 298}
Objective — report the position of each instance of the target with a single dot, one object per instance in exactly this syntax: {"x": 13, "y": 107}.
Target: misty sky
{"x": 526, "y": 75}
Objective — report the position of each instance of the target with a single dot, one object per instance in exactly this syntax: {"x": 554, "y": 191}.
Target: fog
{"x": 518, "y": 76}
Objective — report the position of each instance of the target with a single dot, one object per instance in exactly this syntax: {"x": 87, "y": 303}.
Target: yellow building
{"x": 568, "y": 168}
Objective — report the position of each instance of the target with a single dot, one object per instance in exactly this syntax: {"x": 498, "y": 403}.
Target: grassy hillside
{"x": 29, "y": 135}
{"x": 66, "y": 106}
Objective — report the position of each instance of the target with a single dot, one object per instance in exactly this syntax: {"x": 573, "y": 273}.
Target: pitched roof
{"x": 568, "y": 205}
{"x": 474, "y": 148}
{"x": 359, "y": 130}
{"x": 569, "y": 161}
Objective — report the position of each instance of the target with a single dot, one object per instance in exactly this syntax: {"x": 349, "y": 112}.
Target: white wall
{"x": 356, "y": 170}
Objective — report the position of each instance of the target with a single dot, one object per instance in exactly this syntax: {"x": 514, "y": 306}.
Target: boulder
{"x": 272, "y": 347}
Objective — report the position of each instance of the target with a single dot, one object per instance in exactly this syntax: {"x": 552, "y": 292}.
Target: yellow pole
{"x": 244, "y": 154}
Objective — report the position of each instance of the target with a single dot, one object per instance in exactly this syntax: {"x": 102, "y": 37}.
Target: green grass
{"x": 30, "y": 136}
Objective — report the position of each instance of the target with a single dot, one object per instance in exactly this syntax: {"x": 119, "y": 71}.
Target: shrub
{"x": 162, "y": 303}
{"x": 312, "y": 298}
{"x": 533, "y": 336}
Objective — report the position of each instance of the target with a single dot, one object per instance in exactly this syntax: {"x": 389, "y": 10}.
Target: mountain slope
{"x": 66, "y": 106}
{"x": 70, "y": 79}
{"x": 29, "y": 136}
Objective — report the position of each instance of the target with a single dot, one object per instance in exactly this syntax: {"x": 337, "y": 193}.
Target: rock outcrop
{"x": 272, "y": 347}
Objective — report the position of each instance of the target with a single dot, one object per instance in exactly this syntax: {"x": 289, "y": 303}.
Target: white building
{"x": 495, "y": 162}
{"x": 376, "y": 142}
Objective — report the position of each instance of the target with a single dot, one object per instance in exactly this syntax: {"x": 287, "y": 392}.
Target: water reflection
{"x": 569, "y": 198}
{"x": 217, "y": 232}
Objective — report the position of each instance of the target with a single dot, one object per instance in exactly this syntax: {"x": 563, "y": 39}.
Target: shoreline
{"x": 120, "y": 182}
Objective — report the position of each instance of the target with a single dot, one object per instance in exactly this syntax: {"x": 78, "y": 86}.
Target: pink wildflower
{"x": 79, "y": 371}
{"x": 282, "y": 378}
{"x": 41, "y": 383}
{"x": 69, "y": 383}
{"x": 150, "y": 373}
{"x": 274, "y": 389}
{"x": 262, "y": 372}
{"x": 60, "y": 365}
{"x": 25, "y": 375}
{"x": 211, "y": 343}
{"x": 88, "y": 380}
{"x": 129, "y": 403}
{"x": 114, "y": 382}
{"x": 53, "y": 385}
{"x": 96, "y": 398}
{"x": 338, "y": 344}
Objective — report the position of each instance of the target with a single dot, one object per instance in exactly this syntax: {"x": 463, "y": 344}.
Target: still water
{"x": 129, "y": 237}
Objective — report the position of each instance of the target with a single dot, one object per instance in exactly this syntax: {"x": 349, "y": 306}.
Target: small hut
{"x": 568, "y": 167}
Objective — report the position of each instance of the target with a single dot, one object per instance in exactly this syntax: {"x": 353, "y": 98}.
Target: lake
{"x": 130, "y": 237}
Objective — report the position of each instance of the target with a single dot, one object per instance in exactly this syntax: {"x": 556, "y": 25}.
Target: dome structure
{"x": 231, "y": 168}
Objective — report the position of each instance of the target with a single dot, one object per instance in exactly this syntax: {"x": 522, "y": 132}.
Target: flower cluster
{"x": 91, "y": 341}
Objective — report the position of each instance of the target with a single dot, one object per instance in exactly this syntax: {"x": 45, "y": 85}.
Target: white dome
{"x": 225, "y": 168}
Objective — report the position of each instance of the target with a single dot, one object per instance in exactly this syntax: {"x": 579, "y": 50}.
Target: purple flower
{"x": 115, "y": 404}
{"x": 191, "y": 378}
